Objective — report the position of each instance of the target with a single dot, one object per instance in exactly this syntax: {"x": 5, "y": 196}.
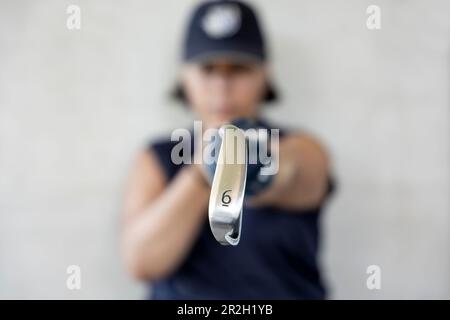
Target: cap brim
{"x": 235, "y": 56}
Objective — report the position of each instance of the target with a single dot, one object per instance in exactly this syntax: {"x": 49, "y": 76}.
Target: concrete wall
{"x": 76, "y": 105}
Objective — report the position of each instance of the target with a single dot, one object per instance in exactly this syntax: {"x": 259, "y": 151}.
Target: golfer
{"x": 167, "y": 240}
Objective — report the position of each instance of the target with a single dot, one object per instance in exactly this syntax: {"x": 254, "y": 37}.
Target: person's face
{"x": 223, "y": 90}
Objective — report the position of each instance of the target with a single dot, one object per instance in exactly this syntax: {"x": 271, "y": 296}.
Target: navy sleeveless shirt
{"x": 276, "y": 257}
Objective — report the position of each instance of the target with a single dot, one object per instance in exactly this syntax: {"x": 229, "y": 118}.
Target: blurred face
{"x": 223, "y": 90}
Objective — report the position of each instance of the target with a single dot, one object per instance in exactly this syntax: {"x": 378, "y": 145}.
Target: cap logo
{"x": 222, "y": 21}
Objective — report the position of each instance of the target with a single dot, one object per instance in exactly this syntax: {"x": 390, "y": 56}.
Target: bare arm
{"x": 161, "y": 221}
{"x": 302, "y": 178}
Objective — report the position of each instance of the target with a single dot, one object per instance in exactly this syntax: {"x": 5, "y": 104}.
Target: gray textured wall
{"x": 76, "y": 105}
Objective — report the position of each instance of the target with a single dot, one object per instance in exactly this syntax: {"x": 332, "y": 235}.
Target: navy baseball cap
{"x": 224, "y": 28}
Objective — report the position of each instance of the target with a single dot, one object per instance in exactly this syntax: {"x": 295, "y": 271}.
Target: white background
{"x": 75, "y": 106}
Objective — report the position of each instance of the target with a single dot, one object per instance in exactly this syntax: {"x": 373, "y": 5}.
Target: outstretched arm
{"x": 302, "y": 178}
{"x": 161, "y": 220}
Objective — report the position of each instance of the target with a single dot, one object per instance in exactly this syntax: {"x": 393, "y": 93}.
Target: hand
{"x": 257, "y": 180}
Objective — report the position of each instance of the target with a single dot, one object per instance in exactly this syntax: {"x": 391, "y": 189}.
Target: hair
{"x": 270, "y": 95}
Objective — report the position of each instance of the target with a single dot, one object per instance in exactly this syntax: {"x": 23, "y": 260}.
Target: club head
{"x": 228, "y": 186}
